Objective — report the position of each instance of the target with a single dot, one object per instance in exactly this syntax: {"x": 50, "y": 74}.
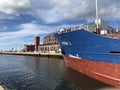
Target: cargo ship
{"x": 92, "y": 54}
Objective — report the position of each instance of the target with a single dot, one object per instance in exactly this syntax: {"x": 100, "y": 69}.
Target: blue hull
{"x": 89, "y": 46}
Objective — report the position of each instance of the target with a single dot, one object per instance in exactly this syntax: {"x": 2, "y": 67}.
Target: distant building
{"x": 29, "y": 48}
{"x": 50, "y": 44}
{"x": 36, "y": 42}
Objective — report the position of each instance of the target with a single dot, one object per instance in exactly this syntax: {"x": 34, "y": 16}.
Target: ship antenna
{"x": 97, "y": 18}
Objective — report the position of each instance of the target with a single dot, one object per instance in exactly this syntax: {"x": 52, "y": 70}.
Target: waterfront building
{"x": 50, "y": 45}
{"x": 36, "y": 42}
{"x": 29, "y": 48}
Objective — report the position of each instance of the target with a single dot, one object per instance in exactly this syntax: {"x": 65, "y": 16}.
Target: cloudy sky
{"x": 20, "y": 20}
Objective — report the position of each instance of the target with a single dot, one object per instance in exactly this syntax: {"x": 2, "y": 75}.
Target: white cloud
{"x": 15, "y": 6}
{"x": 26, "y": 29}
{"x": 67, "y": 9}
{"x": 51, "y": 11}
{"x": 21, "y": 36}
{"x": 75, "y": 9}
{"x": 25, "y": 34}
{"x": 110, "y": 12}
{"x": 47, "y": 10}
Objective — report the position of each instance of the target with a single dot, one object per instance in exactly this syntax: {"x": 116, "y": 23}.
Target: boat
{"x": 92, "y": 54}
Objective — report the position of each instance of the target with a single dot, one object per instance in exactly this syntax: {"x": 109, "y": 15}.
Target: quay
{"x": 51, "y": 55}
{"x": 1, "y": 88}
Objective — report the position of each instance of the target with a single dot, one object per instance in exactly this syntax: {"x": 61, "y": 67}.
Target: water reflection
{"x": 83, "y": 82}
{"x": 37, "y": 73}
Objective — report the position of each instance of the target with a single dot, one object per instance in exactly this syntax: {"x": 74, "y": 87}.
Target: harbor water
{"x": 40, "y": 73}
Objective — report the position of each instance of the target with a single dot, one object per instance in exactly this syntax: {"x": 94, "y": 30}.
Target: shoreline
{"x": 37, "y": 54}
{"x": 1, "y": 88}
{"x": 49, "y": 55}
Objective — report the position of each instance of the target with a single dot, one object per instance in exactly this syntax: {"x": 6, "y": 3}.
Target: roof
{"x": 49, "y": 35}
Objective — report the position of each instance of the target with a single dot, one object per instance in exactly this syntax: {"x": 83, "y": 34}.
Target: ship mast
{"x": 97, "y": 18}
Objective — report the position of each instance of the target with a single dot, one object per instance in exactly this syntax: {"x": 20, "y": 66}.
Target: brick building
{"x": 36, "y": 42}
{"x": 50, "y": 44}
{"x": 31, "y": 48}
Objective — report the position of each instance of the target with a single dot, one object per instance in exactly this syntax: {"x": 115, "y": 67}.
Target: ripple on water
{"x": 34, "y": 73}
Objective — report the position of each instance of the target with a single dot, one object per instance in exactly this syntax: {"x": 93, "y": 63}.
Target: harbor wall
{"x": 49, "y": 55}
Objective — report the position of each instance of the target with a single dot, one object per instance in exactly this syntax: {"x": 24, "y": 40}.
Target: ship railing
{"x": 69, "y": 30}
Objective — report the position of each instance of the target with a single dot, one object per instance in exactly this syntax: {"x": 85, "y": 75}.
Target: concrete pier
{"x": 53, "y": 55}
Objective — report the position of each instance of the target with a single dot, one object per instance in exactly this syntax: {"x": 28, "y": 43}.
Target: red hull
{"x": 106, "y": 72}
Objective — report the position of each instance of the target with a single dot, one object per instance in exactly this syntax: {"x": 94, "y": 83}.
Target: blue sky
{"x": 20, "y": 20}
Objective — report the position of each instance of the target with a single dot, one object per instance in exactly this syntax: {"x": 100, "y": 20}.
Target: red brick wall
{"x": 50, "y": 40}
{"x": 36, "y": 42}
{"x": 29, "y": 48}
